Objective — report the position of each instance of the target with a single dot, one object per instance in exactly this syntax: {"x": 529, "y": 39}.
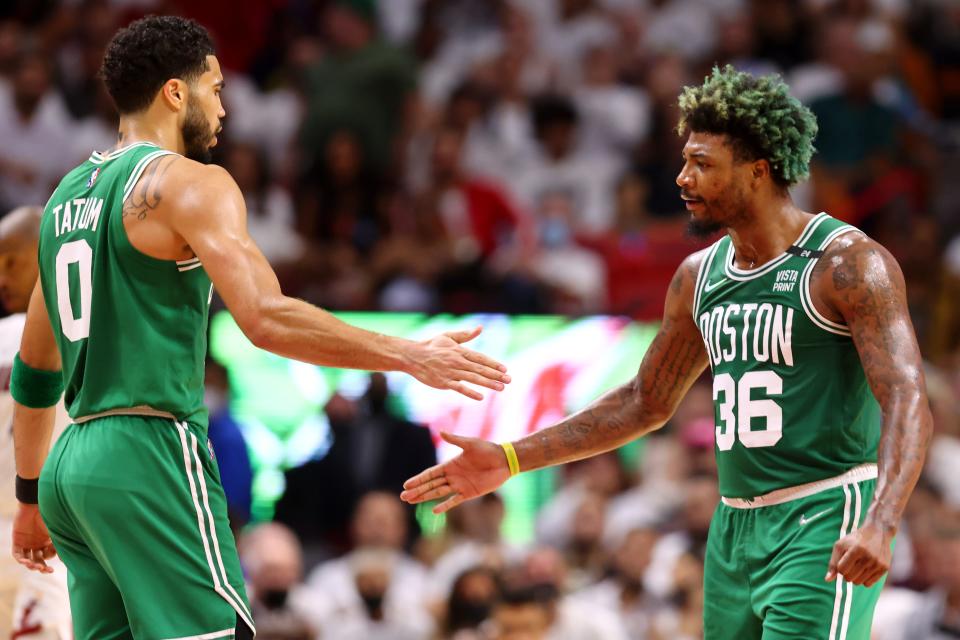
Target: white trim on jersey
{"x": 139, "y": 168}
{"x": 99, "y": 158}
{"x": 702, "y": 278}
{"x": 806, "y": 299}
{"x": 742, "y": 275}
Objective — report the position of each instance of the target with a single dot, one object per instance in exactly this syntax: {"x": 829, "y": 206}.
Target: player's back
{"x": 131, "y": 328}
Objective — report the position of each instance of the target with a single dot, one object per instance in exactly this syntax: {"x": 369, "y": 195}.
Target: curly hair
{"x": 759, "y": 117}
{"x": 144, "y": 55}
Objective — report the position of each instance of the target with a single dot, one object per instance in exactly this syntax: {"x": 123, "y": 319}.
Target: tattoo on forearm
{"x": 146, "y": 195}
{"x": 675, "y": 358}
{"x": 869, "y": 290}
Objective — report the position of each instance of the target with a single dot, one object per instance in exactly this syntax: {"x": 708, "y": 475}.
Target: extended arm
{"x": 676, "y": 358}
{"x": 209, "y": 213}
{"x": 863, "y": 283}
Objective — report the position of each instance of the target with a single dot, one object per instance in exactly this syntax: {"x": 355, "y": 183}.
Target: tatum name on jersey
{"x": 791, "y": 400}
{"x": 95, "y": 283}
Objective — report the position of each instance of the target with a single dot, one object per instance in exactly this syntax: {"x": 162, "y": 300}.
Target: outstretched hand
{"x": 32, "y": 546}
{"x": 442, "y": 363}
{"x": 479, "y": 469}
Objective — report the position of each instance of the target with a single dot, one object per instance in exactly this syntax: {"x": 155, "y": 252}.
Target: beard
{"x": 725, "y": 211}
{"x": 702, "y": 228}
{"x": 197, "y": 136}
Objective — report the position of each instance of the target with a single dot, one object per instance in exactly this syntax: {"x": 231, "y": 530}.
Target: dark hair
{"x": 520, "y": 595}
{"x": 759, "y": 117}
{"x": 551, "y": 109}
{"x": 142, "y": 56}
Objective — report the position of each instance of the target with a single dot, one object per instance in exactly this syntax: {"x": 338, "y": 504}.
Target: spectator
{"x": 933, "y": 614}
{"x": 341, "y": 587}
{"x": 270, "y": 554}
{"x": 571, "y": 618}
{"x": 473, "y": 538}
{"x": 371, "y": 450}
{"x": 615, "y": 116}
{"x": 523, "y": 614}
{"x": 559, "y": 166}
{"x": 469, "y": 605}
{"x": 371, "y": 615}
{"x": 700, "y": 502}
{"x": 34, "y": 122}
{"x": 362, "y": 85}
{"x": 623, "y": 593}
{"x": 229, "y": 446}
{"x": 270, "y": 215}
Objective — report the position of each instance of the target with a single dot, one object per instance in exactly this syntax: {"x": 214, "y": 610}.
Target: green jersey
{"x": 791, "y": 401}
{"x": 131, "y": 329}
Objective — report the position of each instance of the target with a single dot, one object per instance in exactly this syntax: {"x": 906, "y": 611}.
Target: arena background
{"x": 422, "y": 164}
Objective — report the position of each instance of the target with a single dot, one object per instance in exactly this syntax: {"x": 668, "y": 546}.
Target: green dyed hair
{"x": 759, "y": 117}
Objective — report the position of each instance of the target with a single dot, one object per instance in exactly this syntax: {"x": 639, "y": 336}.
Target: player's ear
{"x": 759, "y": 170}
{"x": 174, "y": 93}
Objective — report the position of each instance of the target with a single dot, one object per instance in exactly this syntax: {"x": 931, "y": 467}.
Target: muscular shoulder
{"x": 685, "y": 280}
{"x": 171, "y": 182}
{"x": 854, "y": 274}
{"x": 190, "y": 181}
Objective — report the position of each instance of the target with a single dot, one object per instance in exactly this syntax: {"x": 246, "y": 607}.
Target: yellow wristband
{"x": 512, "y": 461}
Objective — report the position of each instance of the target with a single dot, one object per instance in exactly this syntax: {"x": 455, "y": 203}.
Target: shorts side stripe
{"x": 853, "y": 527}
{"x": 236, "y": 600}
{"x": 217, "y": 587}
{"x": 839, "y": 597}
{"x": 196, "y": 504}
{"x": 226, "y": 633}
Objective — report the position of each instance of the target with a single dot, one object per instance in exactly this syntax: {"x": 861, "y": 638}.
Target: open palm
{"x": 479, "y": 469}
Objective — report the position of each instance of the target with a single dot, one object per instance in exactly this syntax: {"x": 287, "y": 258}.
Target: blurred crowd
{"x": 519, "y": 156}
{"x": 617, "y": 553}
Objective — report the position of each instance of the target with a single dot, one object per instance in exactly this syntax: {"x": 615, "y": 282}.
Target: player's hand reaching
{"x": 32, "y": 546}
{"x": 443, "y": 363}
{"x": 479, "y": 469}
{"x": 862, "y": 557}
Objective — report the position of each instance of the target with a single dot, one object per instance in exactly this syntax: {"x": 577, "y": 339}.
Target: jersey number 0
{"x": 75, "y": 326}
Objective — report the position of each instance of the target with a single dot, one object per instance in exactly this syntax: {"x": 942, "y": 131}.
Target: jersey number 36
{"x": 738, "y": 409}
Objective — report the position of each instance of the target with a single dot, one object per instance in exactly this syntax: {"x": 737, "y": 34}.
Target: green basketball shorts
{"x": 767, "y": 558}
{"x": 136, "y": 511}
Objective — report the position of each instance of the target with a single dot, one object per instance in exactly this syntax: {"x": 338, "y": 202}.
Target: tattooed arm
{"x": 860, "y": 283}
{"x": 675, "y": 359}
{"x": 673, "y": 362}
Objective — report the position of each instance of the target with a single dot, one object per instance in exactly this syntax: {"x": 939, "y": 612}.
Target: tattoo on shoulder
{"x": 146, "y": 195}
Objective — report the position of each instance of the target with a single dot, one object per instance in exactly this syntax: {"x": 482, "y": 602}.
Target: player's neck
{"x": 763, "y": 235}
{"x": 144, "y": 128}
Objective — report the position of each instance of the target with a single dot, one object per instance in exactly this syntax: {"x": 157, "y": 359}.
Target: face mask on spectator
{"x": 274, "y": 599}
{"x": 469, "y": 613}
{"x": 554, "y": 233}
{"x": 373, "y": 603}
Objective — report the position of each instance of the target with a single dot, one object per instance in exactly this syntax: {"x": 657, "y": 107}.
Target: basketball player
{"x": 129, "y": 244}
{"x": 803, "y": 321}
{"x": 32, "y": 605}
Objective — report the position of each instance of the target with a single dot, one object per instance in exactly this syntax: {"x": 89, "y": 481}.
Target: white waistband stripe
{"x": 857, "y": 474}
